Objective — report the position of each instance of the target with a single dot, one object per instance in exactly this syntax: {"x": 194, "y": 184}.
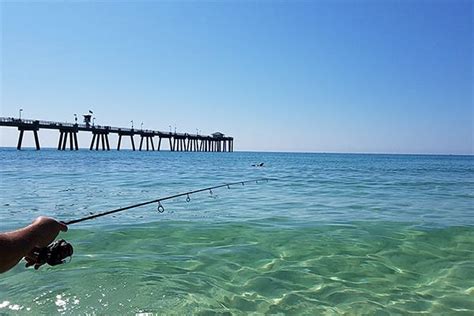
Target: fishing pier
{"x": 216, "y": 142}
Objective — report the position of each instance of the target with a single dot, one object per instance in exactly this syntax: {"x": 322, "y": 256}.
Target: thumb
{"x": 62, "y": 227}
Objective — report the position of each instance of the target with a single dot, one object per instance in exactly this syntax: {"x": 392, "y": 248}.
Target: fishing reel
{"x": 54, "y": 254}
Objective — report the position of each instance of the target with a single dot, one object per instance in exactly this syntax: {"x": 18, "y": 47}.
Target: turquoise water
{"x": 333, "y": 234}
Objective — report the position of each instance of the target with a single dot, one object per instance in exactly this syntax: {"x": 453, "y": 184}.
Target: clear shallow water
{"x": 352, "y": 234}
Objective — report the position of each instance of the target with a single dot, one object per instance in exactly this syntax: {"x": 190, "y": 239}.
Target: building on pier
{"x": 87, "y": 119}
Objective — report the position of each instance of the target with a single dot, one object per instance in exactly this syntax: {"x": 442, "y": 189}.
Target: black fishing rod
{"x": 59, "y": 250}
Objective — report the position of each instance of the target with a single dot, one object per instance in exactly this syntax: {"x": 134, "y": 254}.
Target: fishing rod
{"x": 58, "y": 251}
{"x": 160, "y": 207}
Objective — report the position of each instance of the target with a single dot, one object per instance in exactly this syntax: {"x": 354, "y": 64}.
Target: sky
{"x": 319, "y": 76}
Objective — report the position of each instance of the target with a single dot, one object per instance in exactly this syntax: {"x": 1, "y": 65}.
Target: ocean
{"x": 329, "y": 234}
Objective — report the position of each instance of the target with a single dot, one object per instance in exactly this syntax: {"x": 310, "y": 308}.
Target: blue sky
{"x": 324, "y": 76}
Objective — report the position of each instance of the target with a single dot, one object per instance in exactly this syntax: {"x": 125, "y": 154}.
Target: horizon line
{"x": 265, "y": 151}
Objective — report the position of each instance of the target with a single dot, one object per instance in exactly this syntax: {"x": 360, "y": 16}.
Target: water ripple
{"x": 334, "y": 234}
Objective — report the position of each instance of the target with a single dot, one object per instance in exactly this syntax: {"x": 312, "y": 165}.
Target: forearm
{"x": 15, "y": 245}
{"x": 20, "y": 243}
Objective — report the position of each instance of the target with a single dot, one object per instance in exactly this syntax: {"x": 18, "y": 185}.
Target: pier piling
{"x": 71, "y": 133}
{"x": 20, "y": 139}
{"x": 101, "y": 138}
{"x": 126, "y": 133}
{"x": 28, "y": 127}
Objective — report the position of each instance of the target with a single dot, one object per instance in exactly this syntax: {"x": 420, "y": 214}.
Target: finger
{"x": 62, "y": 226}
{"x": 32, "y": 256}
{"x": 29, "y": 261}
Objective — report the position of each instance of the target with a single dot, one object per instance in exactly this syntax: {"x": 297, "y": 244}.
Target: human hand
{"x": 44, "y": 231}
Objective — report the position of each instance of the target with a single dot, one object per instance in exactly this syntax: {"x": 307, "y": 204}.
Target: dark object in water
{"x": 258, "y": 165}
